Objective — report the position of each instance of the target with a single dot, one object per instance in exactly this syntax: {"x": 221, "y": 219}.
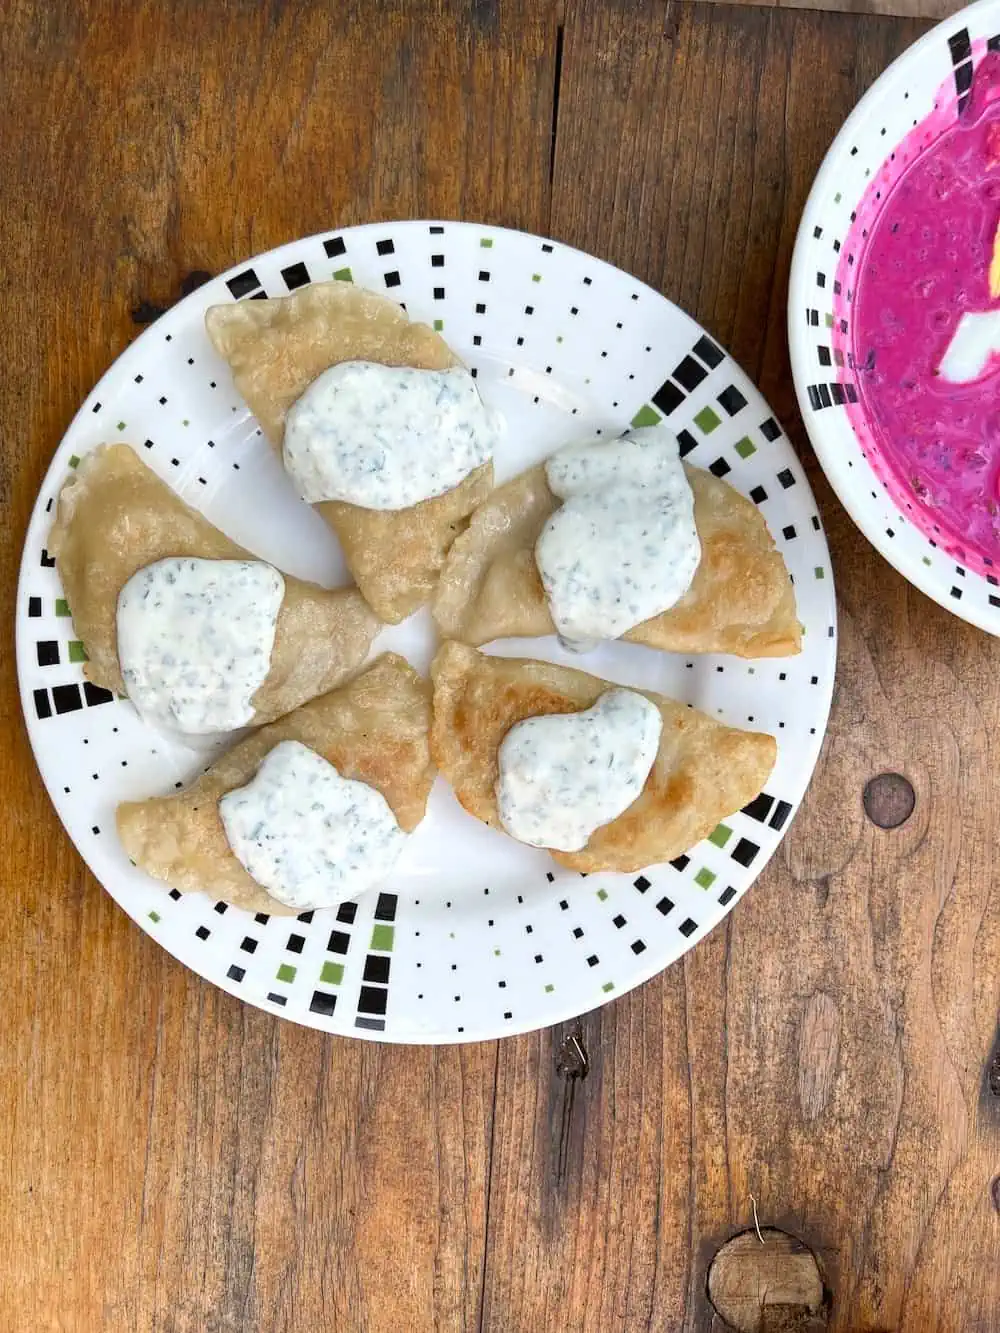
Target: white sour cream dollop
{"x": 386, "y": 437}
{"x": 975, "y": 342}
{"x": 308, "y": 836}
{"x": 195, "y": 639}
{"x": 623, "y": 546}
{"x": 564, "y": 775}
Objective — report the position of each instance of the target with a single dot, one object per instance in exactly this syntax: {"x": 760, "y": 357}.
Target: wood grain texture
{"x": 921, "y": 9}
{"x": 824, "y": 1053}
{"x": 171, "y": 1161}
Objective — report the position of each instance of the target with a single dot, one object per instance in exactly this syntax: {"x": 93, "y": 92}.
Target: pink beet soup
{"x": 920, "y": 263}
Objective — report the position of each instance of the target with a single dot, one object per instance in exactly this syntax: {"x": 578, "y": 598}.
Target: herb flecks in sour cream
{"x": 564, "y": 775}
{"x": 310, "y": 837}
{"x": 195, "y": 639}
{"x": 386, "y": 437}
{"x": 623, "y": 546}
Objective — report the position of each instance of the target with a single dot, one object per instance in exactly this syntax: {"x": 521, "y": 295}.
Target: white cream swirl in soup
{"x": 564, "y": 775}
{"x": 310, "y": 837}
{"x": 386, "y": 437}
{"x": 195, "y": 639}
{"x": 623, "y": 546}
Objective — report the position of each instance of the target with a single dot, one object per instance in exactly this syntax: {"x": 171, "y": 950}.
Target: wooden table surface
{"x": 176, "y": 1162}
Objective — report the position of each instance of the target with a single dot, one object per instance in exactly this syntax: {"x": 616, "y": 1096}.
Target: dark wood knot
{"x": 995, "y": 1193}
{"x": 765, "y": 1280}
{"x": 993, "y": 1075}
{"x": 571, "y": 1057}
{"x": 193, "y": 280}
{"x": 147, "y": 313}
{"x": 889, "y": 800}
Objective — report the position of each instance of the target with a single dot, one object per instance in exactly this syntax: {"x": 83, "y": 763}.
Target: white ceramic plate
{"x": 913, "y": 102}
{"x": 476, "y": 936}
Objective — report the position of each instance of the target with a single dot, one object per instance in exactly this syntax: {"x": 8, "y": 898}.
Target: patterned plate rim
{"x": 925, "y": 578}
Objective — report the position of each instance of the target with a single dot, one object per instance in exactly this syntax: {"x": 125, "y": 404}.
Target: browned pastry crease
{"x": 741, "y": 600}
{"x": 703, "y": 770}
{"x": 114, "y": 517}
{"x": 276, "y": 348}
{"x": 373, "y": 730}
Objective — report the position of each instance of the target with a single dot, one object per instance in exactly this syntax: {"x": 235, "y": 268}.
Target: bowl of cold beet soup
{"x": 894, "y": 314}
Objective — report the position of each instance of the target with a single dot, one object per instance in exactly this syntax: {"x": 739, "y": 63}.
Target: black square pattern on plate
{"x": 377, "y": 969}
{"x": 323, "y": 1002}
{"x": 338, "y": 942}
{"x": 392, "y": 279}
{"x": 681, "y": 863}
{"x": 48, "y": 561}
{"x": 385, "y": 247}
{"x": 334, "y": 246}
{"x": 261, "y": 918}
{"x": 688, "y": 927}
{"x": 296, "y": 275}
{"x": 47, "y": 651}
{"x": 760, "y": 807}
{"x": 960, "y": 46}
{"x": 385, "y": 908}
{"x": 638, "y": 946}
{"x": 664, "y": 906}
{"x": 668, "y": 397}
{"x": 732, "y": 400}
{"x": 373, "y": 1000}
{"x": 719, "y": 468}
{"x": 96, "y": 694}
{"x": 781, "y": 812}
{"x": 66, "y": 698}
{"x": 236, "y": 973}
{"x": 242, "y": 283}
{"x": 786, "y": 478}
{"x": 437, "y": 261}
{"x": 707, "y": 351}
{"x": 689, "y": 374}
{"x": 277, "y": 999}
{"x": 642, "y": 883}
{"x": 249, "y": 944}
{"x": 34, "y": 606}
{"x": 346, "y": 912}
{"x": 727, "y": 896}
{"x": 745, "y": 851}
{"x": 686, "y": 442}
{"x": 42, "y": 706}
{"x": 758, "y": 495}
{"x": 203, "y": 932}
{"x": 296, "y": 943}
